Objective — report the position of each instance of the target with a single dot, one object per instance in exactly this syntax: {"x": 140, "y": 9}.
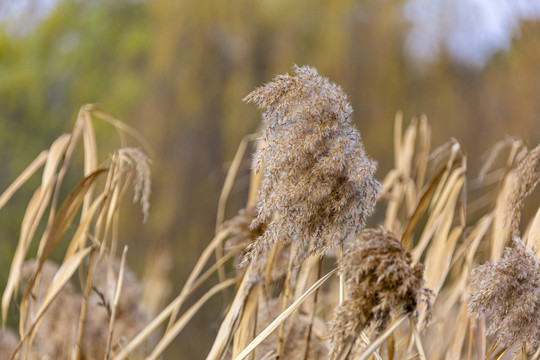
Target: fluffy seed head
{"x": 133, "y": 158}
{"x": 318, "y": 184}
{"x": 507, "y": 292}
{"x": 380, "y": 281}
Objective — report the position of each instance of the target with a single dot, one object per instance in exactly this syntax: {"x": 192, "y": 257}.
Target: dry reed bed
{"x": 414, "y": 287}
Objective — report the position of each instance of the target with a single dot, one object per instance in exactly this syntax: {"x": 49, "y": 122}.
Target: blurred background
{"x": 177, "y": 72}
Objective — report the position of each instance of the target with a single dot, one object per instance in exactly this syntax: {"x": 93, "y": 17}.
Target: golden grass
{"x": 283, "y": 308}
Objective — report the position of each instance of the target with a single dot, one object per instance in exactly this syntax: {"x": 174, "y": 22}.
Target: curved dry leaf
{"x": 282, "y": 317}
{"x": 23, "y": 177}
{"x": 20, "y": 254}
{"x": 55, "y": 232}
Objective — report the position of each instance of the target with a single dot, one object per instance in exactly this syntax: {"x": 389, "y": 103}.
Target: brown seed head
{"x": 318, "y": 184}
{"x": 507, "y": 291}
{"x": 380, "y": 281}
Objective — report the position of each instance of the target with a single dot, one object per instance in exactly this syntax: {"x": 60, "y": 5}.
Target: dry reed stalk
{"x": 282, "y": 317}
{"x": 224, "y": 195}
{"x": 298, "y": 332}
{"x": 84, "y": 307}
{"x": 237, "y": 319}
{"x": 115, "y": 303}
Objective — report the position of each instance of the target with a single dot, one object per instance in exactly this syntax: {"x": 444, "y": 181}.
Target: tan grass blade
{"x": 458, "y": 337}
{"x": 216, "y": 242}
{"x": 458, "y": 288}
{"x": 440, "y": 254}
{"x": 32, "y": 217}
{"x": 501, "y": 224}
{"x": 282, "y": 317}
{"x": 61, "y": 278}
{"x": 79, "y": 239}
{"x": 442, "y": 210}
{"x": 48, "y": 182}
{"x": 79, "y": 129}
{"x": 228, "y": 325}
{"x": 20, "y": 254}
{"x": 454, "y": 150}
{"x": 176, "y": 304}
{"x": 57, "y": 229}
{"x": 380, "y": 339}
{"x": 225, "y": 191}
{"x": 84, "y": 306}
{"x": 169, "y": 336}
{"x": 66, "y": 214}
{"x": 229, "y": 180}
{"x": 391, "y": 177}
{"x": 422, "y": 155}
{"x": 23, "y": 177}
{"x": 407, "y": 149}
{"x": 90, "y": 156}
{"x": 246, "y": 325}
{"x": 117, "y": 292}
{"x": 417, "y": 340}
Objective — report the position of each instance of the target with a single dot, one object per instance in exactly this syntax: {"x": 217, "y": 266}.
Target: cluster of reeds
{"x": 56, "y": 319}
{"x": 437, "y": 278}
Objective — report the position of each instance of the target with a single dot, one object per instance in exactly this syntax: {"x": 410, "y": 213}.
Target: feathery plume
{"x": 318, "y": 184}
{"x": 381, "y": 281}
{"x": 507, "y": 291}
{"x": 528, "y": 176}
{"x": 136, "y": 159}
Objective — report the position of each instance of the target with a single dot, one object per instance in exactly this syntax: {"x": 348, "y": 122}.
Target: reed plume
{"x": 507, "y": 292}
{"x": 318, "y": 186}
{"x": 381, "y": 281}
